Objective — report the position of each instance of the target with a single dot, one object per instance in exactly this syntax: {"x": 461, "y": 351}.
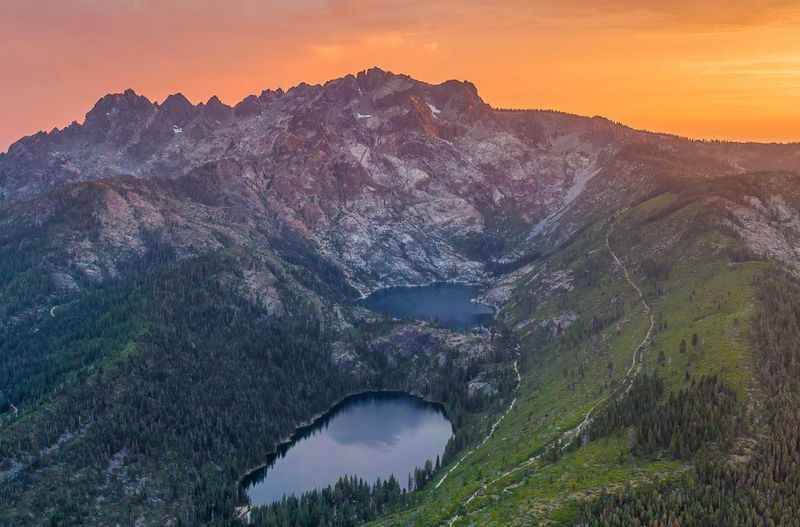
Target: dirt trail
{"x": 489, "y": 435}
{"x": 573, "y": 434}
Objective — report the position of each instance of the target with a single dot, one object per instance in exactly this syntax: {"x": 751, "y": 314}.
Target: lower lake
{"x": 451, "y": 305}
{"x": 373, "y": 435}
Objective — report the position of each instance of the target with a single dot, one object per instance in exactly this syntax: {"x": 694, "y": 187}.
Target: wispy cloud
{"x": 648, "y": 62}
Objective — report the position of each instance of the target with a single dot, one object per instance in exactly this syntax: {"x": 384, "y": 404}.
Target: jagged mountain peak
{"x": 216, "y": 110}
{"x": 377, "y": 81}
{"x": 118, "y": 103}
{"x": 373, "y": 77}
{"x": 178, "y": 107}
{"x": 412, "y": 121}
{"x": 176, "y": 100}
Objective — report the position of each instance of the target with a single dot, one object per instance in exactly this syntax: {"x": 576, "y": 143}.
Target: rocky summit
{"x": 393, "y": 180}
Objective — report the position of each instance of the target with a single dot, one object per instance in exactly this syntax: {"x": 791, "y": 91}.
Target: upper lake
{"x": 451, "y": 305}
{"x": 373, "y": 435}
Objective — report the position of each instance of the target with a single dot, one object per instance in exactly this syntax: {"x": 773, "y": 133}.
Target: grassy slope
{"x": 564, "y": 377}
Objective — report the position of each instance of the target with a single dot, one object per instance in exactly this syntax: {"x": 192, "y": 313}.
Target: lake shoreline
{"x": 309, "y": 423}
{"x": 424, "y": 302}
{"x": 371, "y": 291}
{"x": 472, "y": 298}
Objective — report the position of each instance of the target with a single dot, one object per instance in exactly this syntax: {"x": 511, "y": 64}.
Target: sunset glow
{"x": 708, "y": 69}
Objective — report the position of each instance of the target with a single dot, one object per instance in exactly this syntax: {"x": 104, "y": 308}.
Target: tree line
{"x": 761, "y": 485}
{"x": 173, "y": 373}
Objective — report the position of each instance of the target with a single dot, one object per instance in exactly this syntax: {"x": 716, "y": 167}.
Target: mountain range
{"x": 179, "y": 286}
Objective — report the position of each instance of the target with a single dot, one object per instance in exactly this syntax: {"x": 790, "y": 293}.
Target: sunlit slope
{"x": 579, "y": 322}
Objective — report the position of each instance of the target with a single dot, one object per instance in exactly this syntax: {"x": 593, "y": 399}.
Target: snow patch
{"x": 434, "y": 110}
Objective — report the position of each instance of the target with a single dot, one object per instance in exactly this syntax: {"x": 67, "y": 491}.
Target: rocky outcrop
{"x": 390, "y": 180}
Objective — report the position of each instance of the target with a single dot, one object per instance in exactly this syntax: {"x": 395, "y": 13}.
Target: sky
{"x": 725, "y": 69}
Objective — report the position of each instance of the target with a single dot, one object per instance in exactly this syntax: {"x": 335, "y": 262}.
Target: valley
{"x": 175, "y": 305}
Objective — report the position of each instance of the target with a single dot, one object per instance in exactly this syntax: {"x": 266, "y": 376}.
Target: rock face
{"x": 391, "y": 180}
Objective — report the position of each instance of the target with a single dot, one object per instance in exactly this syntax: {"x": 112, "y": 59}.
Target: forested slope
{"x": 691, "y": 428}
{"x": 145, "y": 397}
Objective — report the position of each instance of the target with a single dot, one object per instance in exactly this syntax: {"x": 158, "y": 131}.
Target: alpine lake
{"x": 375, "y": 434}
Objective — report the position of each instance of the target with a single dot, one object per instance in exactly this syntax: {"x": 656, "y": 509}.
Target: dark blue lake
{"x": 371, "y": 436}
{"x": 450, "y": 305}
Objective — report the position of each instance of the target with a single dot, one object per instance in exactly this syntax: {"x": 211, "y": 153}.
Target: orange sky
{"x": 701, "y": 68}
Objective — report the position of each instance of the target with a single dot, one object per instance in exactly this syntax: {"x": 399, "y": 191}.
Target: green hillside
{"x": 703, "y": 296}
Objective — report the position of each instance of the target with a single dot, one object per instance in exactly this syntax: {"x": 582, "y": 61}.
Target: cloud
{"x": 623, "y": 58}
{"x": 328, "y": 52}
{"x": 688, "y": 15}
{"x": 391, "y": 39}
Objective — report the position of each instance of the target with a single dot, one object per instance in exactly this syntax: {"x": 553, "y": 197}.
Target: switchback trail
{"x": 573, "y": 434}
